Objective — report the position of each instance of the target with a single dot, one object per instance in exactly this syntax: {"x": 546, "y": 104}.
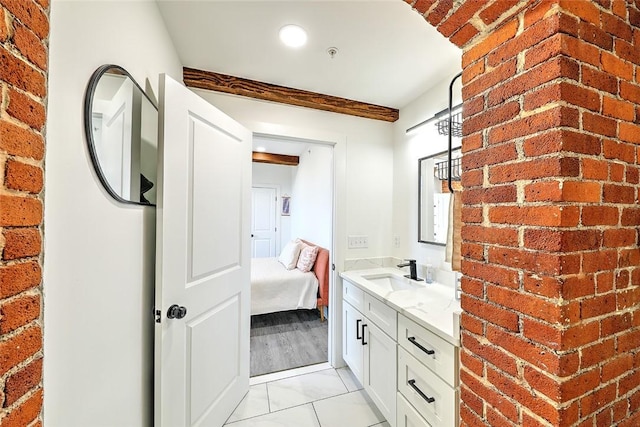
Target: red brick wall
{"x": 551, "y": 328}
{"x": 24, "y": 31}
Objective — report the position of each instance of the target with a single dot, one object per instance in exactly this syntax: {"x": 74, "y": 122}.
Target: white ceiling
{"x": 388, "y": 54}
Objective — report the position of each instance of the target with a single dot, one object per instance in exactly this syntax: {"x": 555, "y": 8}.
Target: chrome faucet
{"x": 413, "y": 273}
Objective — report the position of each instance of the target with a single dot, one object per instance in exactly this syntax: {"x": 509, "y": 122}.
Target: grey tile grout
{"x": 345, "y": 384}
{"x": 335, "y": 395}
{"x": 312, "y": 403}
{"x": 266, "y": 386}
{"x": 317, "y": 400}
{"x": 255, "y": 416}
{"x": 344, "y": 394}
{"x": 262, "y": 415}
{"x": 307, "y": 403}
{"x": 339, "y": 376}
{"x": 316, "y": 412}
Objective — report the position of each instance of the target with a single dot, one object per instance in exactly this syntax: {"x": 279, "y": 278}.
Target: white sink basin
{"x": 391, "y": 282}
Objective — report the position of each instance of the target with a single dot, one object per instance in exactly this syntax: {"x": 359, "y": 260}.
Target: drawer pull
{"x": 413, "y": 341}
{"x": 358, "y": 336}
{"x": 413, "y": 385}
{"x": 364, "y": 325}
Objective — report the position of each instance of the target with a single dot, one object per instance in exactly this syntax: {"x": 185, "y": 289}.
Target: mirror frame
{"x": 88, "y": 128}
{"x": 420, "y": 172}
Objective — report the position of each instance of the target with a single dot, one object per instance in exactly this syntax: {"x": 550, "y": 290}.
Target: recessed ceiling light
{"x": 293, "y": 35}
{"x": 261, "y": 149}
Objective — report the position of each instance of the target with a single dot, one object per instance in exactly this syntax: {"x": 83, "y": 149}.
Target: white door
{"x": 202, "y": 261}
{"x": 263, "y": 222}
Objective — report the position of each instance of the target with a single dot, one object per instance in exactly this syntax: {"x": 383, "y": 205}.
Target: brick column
{"x": 551, "y": 328}
{"x": 24, "y": 31}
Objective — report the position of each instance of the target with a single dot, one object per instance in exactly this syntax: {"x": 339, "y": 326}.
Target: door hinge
{"x": 158, "y": 314}
{"x": 275, "y": 229}
{"x": 333, "y": 267}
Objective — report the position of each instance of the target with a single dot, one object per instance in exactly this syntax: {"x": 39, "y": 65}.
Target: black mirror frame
{"x": 420, "y": 171}
{"x": 88, "y": 128}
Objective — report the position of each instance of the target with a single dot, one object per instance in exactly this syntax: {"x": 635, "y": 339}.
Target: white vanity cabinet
{"x": 408, "y": 370}
{"x": 368, "y": 350}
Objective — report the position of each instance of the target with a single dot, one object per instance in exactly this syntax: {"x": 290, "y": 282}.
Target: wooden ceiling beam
{"x": 269, "y": 92}
{"x": 275, "y": 159}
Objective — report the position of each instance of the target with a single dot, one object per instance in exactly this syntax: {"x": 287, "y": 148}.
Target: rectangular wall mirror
{"x": 434, "y": 195}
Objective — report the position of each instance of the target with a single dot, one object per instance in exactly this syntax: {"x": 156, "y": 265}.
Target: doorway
{"x": 291, "y": 335}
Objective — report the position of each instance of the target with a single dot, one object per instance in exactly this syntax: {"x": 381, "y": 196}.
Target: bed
{"x": 274, "y": 288}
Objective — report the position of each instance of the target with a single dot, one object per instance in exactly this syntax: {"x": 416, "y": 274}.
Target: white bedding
{"x": 274, "y": 288}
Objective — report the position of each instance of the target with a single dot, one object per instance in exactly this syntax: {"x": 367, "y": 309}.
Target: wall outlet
{"x": 396, "y": 241}
{"x": 358, "y": 242}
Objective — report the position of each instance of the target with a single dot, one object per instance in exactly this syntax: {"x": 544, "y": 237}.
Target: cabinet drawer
{"x": 434, "y": 399}
{"x": 407, "y": 416}
{"x": 385, "y": 317}
{"x": 353, "y": 295}
{"x": 431, "y": 350}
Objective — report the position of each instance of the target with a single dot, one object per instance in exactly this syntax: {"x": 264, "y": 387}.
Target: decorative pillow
{"x": 289, "y": 255}
{"x": 307, "y": 258}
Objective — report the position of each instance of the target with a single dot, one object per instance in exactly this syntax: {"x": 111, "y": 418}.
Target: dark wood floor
{"x": 287, "y": 340}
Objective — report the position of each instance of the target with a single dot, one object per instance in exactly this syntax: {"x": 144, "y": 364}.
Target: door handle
{"x": 176, "y": 312}
{"x": 413, "y": 341}
{"x": 413, "y": 385}
{"x": 358, "y": 336}
{"x": 364, "y": 325}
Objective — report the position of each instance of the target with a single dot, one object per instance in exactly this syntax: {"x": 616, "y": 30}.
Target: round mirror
{"x": 121, "y": 126}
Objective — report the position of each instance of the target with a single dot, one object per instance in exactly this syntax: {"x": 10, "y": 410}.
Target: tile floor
{"x": 325, "y": 398}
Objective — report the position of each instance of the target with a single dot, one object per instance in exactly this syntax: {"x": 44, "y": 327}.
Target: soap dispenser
{"x": 428, "y": 276}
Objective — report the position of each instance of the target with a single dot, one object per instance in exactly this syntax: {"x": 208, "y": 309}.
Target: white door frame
{"x": 278, "y": 216}
{"x": 338, "y": 143}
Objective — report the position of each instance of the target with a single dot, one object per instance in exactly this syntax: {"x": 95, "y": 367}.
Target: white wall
{"x": 407, "y": 150}
{"x": 311, "y": 201}
{"x": 281, "y": 177}
{"x": 98, "y": 267}
{"x": 363, "y": 158}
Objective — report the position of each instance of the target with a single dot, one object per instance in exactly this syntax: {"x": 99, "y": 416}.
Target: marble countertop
{"x": 431, "y": 305}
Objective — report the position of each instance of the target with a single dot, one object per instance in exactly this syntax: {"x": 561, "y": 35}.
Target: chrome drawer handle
{"x": 413, "y": 341}
{"x": 413, "y": 385}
